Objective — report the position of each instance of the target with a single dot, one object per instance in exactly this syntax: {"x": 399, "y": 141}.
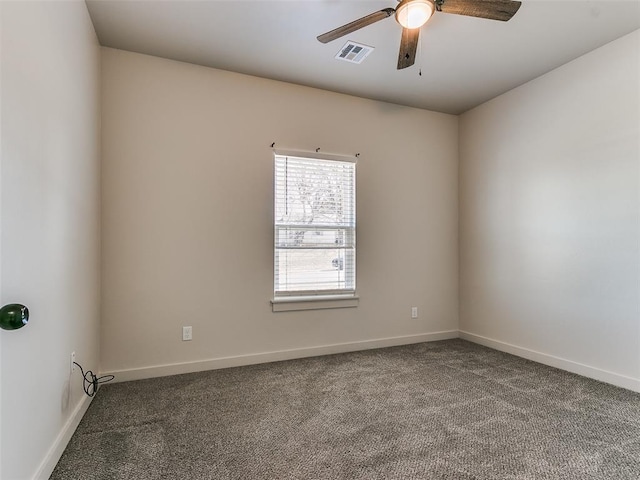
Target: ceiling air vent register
{"x": 353, "y": 52}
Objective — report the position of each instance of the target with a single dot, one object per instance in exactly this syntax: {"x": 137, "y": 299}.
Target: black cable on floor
{"x": 90, "y": 382}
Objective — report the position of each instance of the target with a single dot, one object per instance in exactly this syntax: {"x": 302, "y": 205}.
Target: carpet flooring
{"x": 442, "y": 410}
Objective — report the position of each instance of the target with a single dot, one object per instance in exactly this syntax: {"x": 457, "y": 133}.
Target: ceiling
{"x": 461, "y": 61}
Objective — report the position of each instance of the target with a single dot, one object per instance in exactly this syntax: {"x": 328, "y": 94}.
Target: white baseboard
{"x": 55, "y": 452}
{"x": 252, "y": 359}
{"x": 574, "y": 367}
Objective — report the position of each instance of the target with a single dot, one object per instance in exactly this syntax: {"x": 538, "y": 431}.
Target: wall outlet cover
{"x": 187, "y": 333}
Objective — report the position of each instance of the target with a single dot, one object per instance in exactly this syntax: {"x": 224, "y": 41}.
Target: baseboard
{"x": 280, "y": 355}
{"x": 276, "y": 356}
{"x": 574, "y": 367}
{"x": 55, "y": 452}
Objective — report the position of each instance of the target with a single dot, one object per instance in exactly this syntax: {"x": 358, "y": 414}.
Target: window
{"x": 315, "y": 234}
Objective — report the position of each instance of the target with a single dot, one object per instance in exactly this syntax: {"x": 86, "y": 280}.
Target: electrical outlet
{"x": 414, "y": 312}
{"x": 73, "y": 360}
{"x": 187, "y": 333}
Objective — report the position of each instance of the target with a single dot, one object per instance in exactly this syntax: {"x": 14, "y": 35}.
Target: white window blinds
{"x": 315, "y": 226}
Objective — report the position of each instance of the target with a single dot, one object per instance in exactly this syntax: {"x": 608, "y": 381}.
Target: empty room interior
{"x": 315, "y": 240}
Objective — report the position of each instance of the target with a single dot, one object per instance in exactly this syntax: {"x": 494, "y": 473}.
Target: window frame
{"x": 313, "y": 299}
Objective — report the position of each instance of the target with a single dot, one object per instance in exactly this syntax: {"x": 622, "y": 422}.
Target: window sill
{"x": 289, "y": 304}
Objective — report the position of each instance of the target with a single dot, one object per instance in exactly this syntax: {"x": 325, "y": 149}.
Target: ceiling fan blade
{"x": 356, "y": 25}
{"x": 492, "y": 9}
{"x": 408, "y": 47}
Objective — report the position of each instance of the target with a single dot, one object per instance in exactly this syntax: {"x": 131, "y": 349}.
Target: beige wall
{"x": 50, "y": 225}
{"x": 550, "y": 216}
{"x": 187, "y": 215}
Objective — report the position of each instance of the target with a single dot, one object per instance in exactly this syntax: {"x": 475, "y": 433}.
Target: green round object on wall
{"x": 13, "y": 316}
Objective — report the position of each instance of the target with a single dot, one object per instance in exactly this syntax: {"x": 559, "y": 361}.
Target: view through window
{"x": 315, "y": 215}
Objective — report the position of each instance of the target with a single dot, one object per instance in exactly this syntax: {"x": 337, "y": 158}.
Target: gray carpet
{"x": 441, "y": 410}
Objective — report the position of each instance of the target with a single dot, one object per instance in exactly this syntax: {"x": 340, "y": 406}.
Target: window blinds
{"x": 315, "y": 219}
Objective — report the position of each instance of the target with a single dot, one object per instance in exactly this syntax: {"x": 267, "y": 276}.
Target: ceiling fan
{"x": 412, "y": 14}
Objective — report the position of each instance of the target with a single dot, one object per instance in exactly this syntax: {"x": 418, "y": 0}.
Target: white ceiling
{"x": 464, "y": 61}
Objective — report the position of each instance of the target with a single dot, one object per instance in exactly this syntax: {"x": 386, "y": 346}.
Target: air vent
{"x": 353, "y": 52}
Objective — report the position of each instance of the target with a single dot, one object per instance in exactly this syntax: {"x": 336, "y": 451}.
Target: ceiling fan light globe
{"x": 414, "y": 13}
